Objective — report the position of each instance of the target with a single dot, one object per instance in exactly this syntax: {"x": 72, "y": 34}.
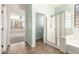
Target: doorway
{"x": 16, "y": 24}
{"x": 40, "y": 27}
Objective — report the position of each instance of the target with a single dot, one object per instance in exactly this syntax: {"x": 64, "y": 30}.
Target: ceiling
{"x": 16, "y": 9}
{"x": 19, "y": 9}
{"x": 55, "y": 5}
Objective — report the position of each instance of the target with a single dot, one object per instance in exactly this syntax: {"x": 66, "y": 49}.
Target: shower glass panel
{"x": 60, "y": 30}
{"x": 51, "y": 30}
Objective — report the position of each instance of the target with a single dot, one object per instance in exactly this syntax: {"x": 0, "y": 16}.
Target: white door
{"x": 51, "y": 30}
{"x": 0, "y": 26}
{"x": 5, "y": 30}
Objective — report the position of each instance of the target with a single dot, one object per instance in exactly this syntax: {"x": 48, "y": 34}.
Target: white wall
{"x": 5, "y": 31}
{"x": 44, "y": 8}
{"x": 29, "y": 24}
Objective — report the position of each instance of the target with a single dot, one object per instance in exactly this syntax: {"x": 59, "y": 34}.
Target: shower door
{"x": 51, "y": 30}
{"x": 60, "y": 31}
{"x": 56, "y": 31}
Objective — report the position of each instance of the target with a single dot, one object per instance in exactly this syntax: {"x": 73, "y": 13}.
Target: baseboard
{"x": 69, "y": 52}
{"x": 29, "y": 43}
{"x": 33, "y": 46}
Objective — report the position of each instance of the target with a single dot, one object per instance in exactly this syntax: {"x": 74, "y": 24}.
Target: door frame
{"x": 0, "y": 28}
{"x": 4, "y": 39}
